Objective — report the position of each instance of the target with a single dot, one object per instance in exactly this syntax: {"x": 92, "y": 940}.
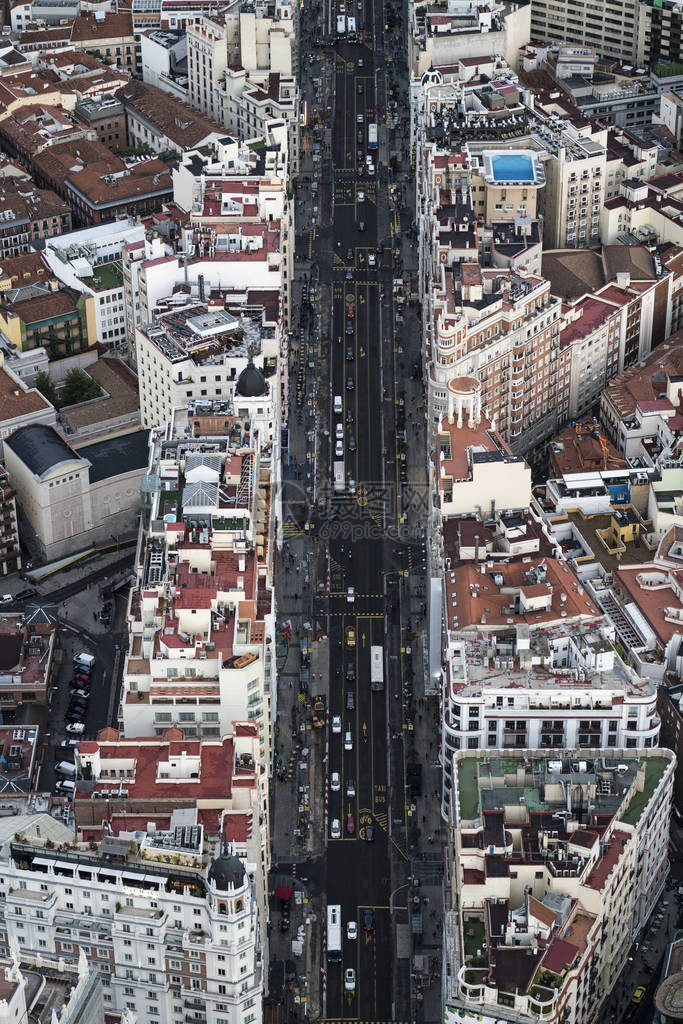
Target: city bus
{"x": 334, "y": 936}
{"x": 339, "y": 478}
{"x": 376, "y": 667}
{"x": 372, "y": 136}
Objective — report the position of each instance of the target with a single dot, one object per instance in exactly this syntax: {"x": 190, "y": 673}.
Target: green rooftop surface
{"x": 666, "y": 69}
{"x": 468, "y": 790}
{"x": 106, "y": 275}
{"x": 654, "y": 769}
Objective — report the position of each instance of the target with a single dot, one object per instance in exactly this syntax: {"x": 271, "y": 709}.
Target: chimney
{"x": 200, "y": 282}
{"x": 623, "y": 279}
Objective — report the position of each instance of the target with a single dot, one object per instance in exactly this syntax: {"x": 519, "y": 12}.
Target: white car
{"x": 335, "y": 828}
{"x": 359, "y": 118}
{"x": 351, "y": 787}
{"x": 352, "y": 486}
{"x": 351, "y": 595}
{"x": 339, "y": 449}
{"x": 348, "y": 740}
{"x": 371, "y": 259}
{"x": 349, "y": 980}
{"x": 335, "y": 782}
{"x": 360, "y": 198}
{"x": 340, "y": 431}
{"x": 351, "y": 930}
{"x": 336, "y": 723}
{"x": 75, "y": 728}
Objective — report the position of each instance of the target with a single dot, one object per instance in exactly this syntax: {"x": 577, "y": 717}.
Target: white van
{"x": 338, "y": 407}
{"x": 66, "y": 768}
{"x": 84, "y": 659}
{"x": 65, "y": 786}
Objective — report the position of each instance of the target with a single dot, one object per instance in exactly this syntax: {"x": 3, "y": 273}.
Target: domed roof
{"x": 431, "y": 77}
{"x": 227, "y": 870}
{"x": 251, "y": 383}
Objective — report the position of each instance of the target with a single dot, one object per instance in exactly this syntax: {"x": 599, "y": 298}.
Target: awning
{"x": 283, "y": 892}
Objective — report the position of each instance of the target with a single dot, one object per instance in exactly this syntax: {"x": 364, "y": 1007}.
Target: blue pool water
{"x": 512, "y": 167}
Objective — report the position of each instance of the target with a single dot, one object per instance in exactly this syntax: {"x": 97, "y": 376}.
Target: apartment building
{"x": 609, "y": 27}
{"x": 10, "y": 550}
{"x": 554, "y": 865}
{"x": 27, "y": 648}
{"x": 524, "y": 638}
{"x": 201, "y": 614}
{"x": 644, "y": 400}
{"x": 89, "y": 261}
{"x": 172, "y": 933}
{"x": 442, "y": 33}
{"x": 189, "y": 352}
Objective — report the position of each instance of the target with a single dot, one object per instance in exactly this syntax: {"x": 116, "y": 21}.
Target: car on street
{"x": 350, "y": 788}
{"x": 352, "y": 486}
{"x": 361, "y": 225}
{"x": 380, "y": 249}
{"x": 348, "y": 740}
{"x": 349, "y": 353}
{"x": 369, "y": 833}
{"x": 349, "y": 384}
{"x": 372, "y": 262}
{"x": 359, "y": 135}
{"x": 361, "y": 89}
{"x": 66, "y": 787}
{"x": 340, "y": 431}
{"x": 349, "y": 415}
{"x": 359, "y": 62}
{"x": 6, "y": 599}
{"x": 335, "y": 828}
{"x": 349, "y": 274}
{"x": 336, "y": 723}
{"x": 360, "y": 198}
{"x": 75, "y": 728}
{"x": 349, "y": 328}
{"x": 339, "y": 449}
{"x": 351, "y": 930}
{"x": 359, "y": 118}
{"x": 351, "y": 595}
{"x": 350, "y": 312}
{"x": 349, "y": 980}
{"x": 349, "y": 254}
{"x": 352, "y": 443}
{"x": 350, "y": 636}
{"x": 368, "y": 920}
{"x": 350, "y": 700}
{"x": 350, "y": 671}
{"x": 350, "y": 825}
{"x": 335, "y": 782}
{"x": 638, "y": 994}
{"x": 83, "y": 694}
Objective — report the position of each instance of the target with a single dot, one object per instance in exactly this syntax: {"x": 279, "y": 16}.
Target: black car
{"x": 349, "y": 274}
{"x": 349, "y": 384}
{"x": 349, "y": 254}
{"x": 368, "y": 920}
{"x": 25, "y": 594}
{"x": 349, "y": 351}
{"x": 349, "y": 327}
{"x": 76, "y": 715}
{"x": 369, "y": 833}
{"x": 349, "y": 416}
{"x": 361, "y": 89}
{"x": 350, "y": 700}
{"x": 350, "y": 671}
{"x": 361, "y": 225}
{"x": 352, "y": 443}
{"x": 359, "y": 136}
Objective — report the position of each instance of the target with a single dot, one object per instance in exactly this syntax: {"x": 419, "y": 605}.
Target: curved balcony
{"x": 472, "y": 983}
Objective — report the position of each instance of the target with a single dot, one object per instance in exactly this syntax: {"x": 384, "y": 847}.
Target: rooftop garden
{"x": 468, "y": 788}
{"x": 76, "y": 387}
{"x": 106, "y": 275}
{"x": 474, "y": 937}
{"x": 667, "y": 69}
{"x": 654, "y": 769}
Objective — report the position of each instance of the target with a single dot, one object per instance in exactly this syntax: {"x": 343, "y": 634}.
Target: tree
{"x": 78, "y": 387}
{"x": 45, "y": 385}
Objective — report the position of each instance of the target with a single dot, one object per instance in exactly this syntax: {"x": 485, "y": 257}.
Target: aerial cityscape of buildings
{"x": 341, "y": 493}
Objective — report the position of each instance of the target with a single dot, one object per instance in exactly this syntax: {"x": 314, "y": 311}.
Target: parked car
{"x": 368, "y": 920}
{"x": 351, "y": 930}
{"x": 336, "y": 723}
{"x": 335, "y": 828}
{"x": 83, "y": 694}
{"x": 75, "y": 728}
{"x": 335, "y": 782}
{"x": 350, "y": 825}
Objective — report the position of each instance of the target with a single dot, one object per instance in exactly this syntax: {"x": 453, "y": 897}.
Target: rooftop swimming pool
{"x": 512, "y": 167}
